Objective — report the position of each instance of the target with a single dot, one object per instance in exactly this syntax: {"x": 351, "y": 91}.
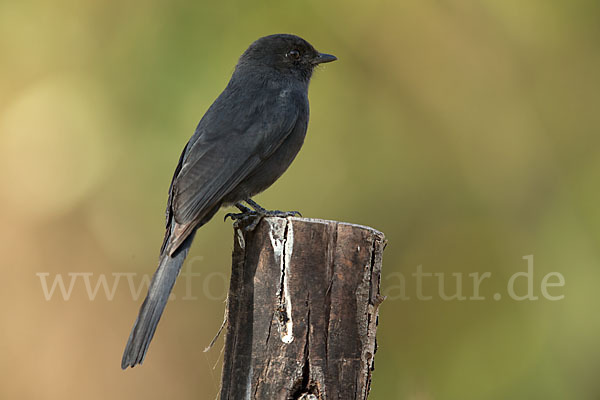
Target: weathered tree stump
{"x": 302, "y": 311}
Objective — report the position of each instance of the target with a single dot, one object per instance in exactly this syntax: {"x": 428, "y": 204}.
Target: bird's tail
{"x": 154, "y": 304}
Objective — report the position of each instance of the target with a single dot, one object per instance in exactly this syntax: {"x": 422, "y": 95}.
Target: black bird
{"x": 248, "y": 137}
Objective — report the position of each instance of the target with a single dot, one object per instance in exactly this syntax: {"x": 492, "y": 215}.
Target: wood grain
{"x": 302, "y": 310}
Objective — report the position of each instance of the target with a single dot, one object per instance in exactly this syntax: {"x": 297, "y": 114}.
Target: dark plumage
{"x": 248, "y": 137}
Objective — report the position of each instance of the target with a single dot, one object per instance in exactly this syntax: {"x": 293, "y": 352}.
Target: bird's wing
{"x": 169, "y": 211}
{"x": 214, "y": 163}
{"x": 214, "y": 170}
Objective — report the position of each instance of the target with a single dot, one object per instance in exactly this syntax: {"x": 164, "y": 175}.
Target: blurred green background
{"x": 466, "y": 131}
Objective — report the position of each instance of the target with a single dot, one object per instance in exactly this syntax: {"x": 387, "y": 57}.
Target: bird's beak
{"x": 324, "y": 58}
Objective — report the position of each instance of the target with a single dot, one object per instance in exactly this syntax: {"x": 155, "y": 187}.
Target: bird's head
{"x": 286, "y": 53}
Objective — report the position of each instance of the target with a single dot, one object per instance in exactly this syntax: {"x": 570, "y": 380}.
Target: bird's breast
{"x": 285, "y": 93}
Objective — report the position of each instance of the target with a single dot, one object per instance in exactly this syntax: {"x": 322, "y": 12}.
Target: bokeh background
{"x": 466, "y": 131}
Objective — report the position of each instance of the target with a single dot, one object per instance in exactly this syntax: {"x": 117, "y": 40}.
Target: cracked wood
{"x": 302, "y": 311}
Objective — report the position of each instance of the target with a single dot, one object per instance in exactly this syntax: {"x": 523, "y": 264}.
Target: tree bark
{"x": 302, "y": 311}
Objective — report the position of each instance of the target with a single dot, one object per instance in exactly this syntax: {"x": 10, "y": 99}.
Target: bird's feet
{"x": 243, "y": 216}
{"x": 255, "y": 216}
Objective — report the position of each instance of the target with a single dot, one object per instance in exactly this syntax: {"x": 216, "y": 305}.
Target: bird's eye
{"x": 294, "y": 54}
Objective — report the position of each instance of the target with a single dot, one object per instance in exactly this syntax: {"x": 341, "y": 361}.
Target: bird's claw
{"x": 240, "y": 219}
{"x": 256, "y": 216}
{"x": 273, "y": 213}
{"x": 282, "y": 214}
{"x": 235, "y": 216}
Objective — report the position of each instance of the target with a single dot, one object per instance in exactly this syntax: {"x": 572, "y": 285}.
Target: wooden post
{"x": 302, "y": 311}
